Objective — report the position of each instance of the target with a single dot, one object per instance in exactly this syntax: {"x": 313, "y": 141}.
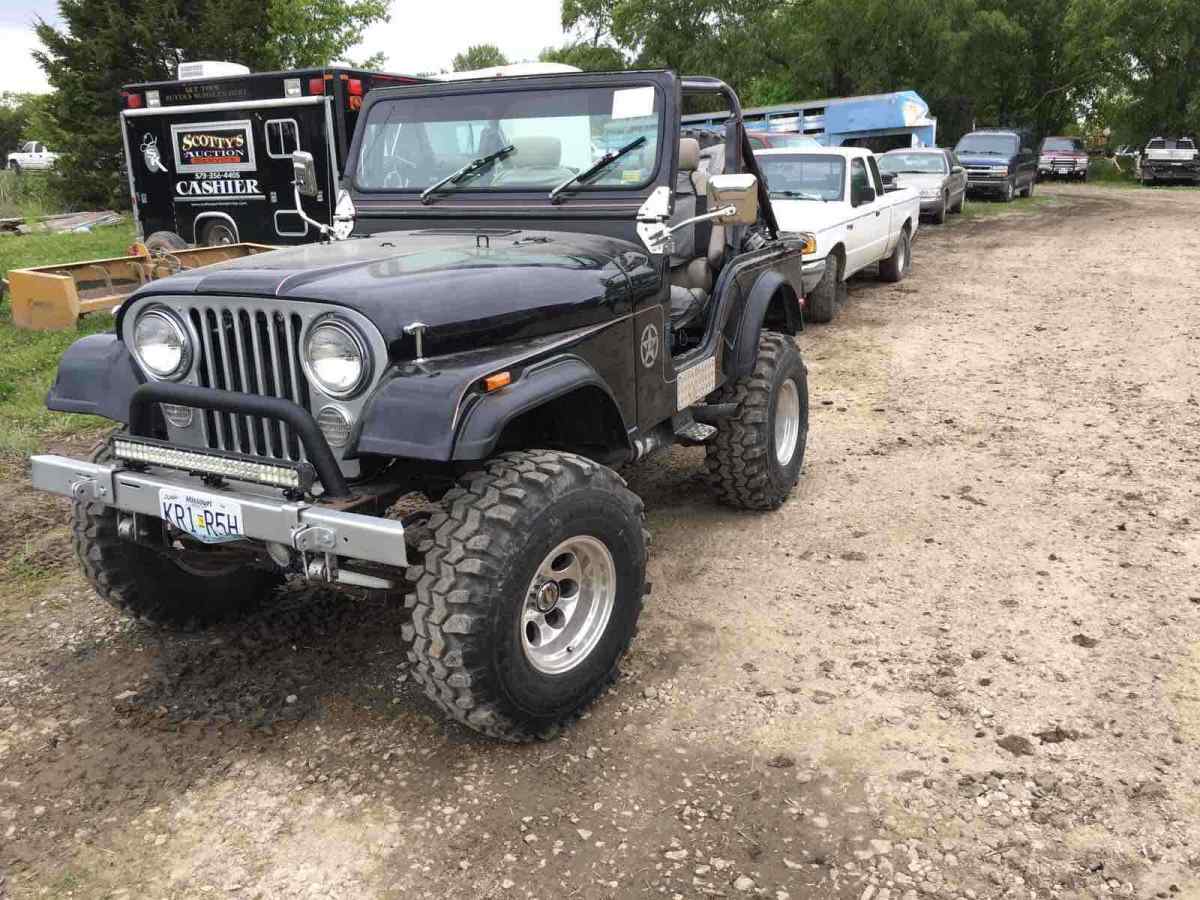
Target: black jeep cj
{"x": 546, "y": 281}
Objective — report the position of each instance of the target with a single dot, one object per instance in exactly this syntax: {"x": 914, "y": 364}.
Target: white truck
{"x": 32, "y": 155}
{"x": 839, "y": 195}
{"x": 1167, "y": 159}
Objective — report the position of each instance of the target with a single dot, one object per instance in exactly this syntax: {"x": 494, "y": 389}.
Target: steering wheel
{"x": 394, "y": 179}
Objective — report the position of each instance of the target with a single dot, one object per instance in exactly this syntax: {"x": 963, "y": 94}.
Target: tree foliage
{"x": 104, "y": 44}
{"x": 479, "y": 56}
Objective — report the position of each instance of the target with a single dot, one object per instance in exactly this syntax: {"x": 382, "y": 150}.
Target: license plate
{"x": 206, "y": 517}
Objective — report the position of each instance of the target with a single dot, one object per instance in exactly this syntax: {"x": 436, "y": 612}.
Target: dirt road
{"x": 963, "y": 661}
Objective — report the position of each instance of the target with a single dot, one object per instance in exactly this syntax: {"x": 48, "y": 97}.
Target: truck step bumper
{"x": 302, "y": 526}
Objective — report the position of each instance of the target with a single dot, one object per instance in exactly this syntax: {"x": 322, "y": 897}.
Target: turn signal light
{"x": 497, "y": 381}
{"x": 808, "y": 242}
{"x": 133, "y": 101}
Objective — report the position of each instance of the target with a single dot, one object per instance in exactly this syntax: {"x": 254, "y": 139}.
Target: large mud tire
{"x": 743, "y": 461}
{"x": 492, "y": 537}
{"x": 147, "y": 585}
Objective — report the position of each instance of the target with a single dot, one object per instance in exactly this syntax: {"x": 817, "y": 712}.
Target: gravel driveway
{"x": 963, "y": 661}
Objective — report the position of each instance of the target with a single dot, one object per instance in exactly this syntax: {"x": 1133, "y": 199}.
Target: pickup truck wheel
{"x": 821, "y": 303}
{"x": 895, "y": 267}
{"x": 147, "y": 584}
{"x": 754, "y": 461}
{"x": 530, "y": 593}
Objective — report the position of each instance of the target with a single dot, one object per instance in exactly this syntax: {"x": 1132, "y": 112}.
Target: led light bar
{"x": 276, "y": 473}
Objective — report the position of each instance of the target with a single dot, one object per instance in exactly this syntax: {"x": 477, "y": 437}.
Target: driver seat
{"x": 536, "y": 162}
{"x": 691, "y": 277}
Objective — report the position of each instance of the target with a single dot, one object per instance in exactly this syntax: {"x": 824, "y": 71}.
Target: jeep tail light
{"x": 132, "y": 101}
{"x": 354, "y": 87}
{"x": 316, "y": 85}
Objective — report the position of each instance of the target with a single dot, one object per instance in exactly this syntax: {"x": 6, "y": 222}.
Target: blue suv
{"x": 998, "y": 161}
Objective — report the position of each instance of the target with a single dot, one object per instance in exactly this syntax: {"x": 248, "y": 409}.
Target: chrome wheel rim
{"x": 787, "y": 422}
{"x": 568, "y": 605}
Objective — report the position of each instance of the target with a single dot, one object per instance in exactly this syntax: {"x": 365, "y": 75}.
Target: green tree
{"x": 104, "y": 44}
{"x": 586, "y": 56}
{"x": 479, "y": 56}
{"x": 1162, "y": 38}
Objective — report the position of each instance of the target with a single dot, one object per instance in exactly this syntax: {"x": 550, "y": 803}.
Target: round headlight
{"x": 161, "y": 344}
{"x": 336, "y": 358}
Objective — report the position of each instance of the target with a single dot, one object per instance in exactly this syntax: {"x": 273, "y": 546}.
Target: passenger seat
{"x": 691, "y": 277}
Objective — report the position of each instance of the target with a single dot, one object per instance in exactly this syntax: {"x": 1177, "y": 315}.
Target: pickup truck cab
{"x": 838, "y": 195}
{"x": 1166, "y": 159}
{"x": 998, "y": 162}
{"x": 32, "y": 155}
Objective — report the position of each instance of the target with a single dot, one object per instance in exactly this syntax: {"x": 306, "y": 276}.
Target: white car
{"x": 839, "y": 195}
{"x": 32, "y": 155}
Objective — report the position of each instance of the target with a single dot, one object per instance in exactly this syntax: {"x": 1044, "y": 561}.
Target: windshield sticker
{"x": 629, "y": 103}
{"x": 633, "y": 176}
{"x": 213, "y": 146}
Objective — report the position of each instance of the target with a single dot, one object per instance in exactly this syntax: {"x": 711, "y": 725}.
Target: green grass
{"x": 982, "y": 207}
{"x": 28, "y": 195}
{"x": 29, "y": 359}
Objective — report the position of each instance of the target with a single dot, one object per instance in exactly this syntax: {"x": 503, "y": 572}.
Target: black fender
{"x": 754, "y": 315}
{"x": 96, "y": 376}
{"x": 484, "y": 420}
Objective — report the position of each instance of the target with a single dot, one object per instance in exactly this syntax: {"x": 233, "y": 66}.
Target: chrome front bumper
{"x": 302, "y": 526}
{"x": 810, "y": 274}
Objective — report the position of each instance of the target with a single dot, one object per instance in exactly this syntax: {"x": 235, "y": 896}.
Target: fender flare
{"x": 485, "y": 419}
{"x": 96, "y": 376}
{"x": 755, "y": 312}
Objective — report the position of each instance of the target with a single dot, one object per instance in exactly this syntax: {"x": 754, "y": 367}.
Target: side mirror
{"x": 739, "y": 191}
{"x": 304, "y": 173}
{"x": 861, "y": 194}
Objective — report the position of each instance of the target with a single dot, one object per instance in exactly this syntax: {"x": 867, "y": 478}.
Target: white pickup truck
{"x": 32, "y": 155}
{"x": 837, "y": 194}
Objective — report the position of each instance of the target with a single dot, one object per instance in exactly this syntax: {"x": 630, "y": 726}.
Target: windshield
{"x": 1067, "y": 145}
{"x": 803, "y": 177}
{"x": 917, "y": 163}
{"x": 1160, "y": 144}
{"x": 411, "y": 143}
{"x": 988, "y": 144}
{"x": 778, "y": 139}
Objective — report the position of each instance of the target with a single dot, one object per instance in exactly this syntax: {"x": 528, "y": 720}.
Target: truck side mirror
{"x": 957, "y": 170}
{"x": 860, "y": 194}
{"x": 304, "y": 173}
{"x": 739, "y": 191}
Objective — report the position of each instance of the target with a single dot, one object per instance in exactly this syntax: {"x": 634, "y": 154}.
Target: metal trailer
{"x": 879, "y": 122}
{"x": 208, "y": 157}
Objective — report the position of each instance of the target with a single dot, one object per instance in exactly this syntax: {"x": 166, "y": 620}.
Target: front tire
{"x": 754, "y": 461}
{"x": 821, "y": 303}
{"x": 1009, "y": 192}
{"x": 939, "y": 218}
{"x": 147, "y": 584}
{"x": 530, "y": 593}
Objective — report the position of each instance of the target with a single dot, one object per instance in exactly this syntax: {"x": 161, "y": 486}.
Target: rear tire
{"x": 483, "y": 649}
{"x": 217, "y": 233}
{"x": 821, "y": 304}
{"x": 754, "y": 461}
{"x": 14, "y": 167}
{"x": 146, "y": 584}
{"x": 895, "y": 267}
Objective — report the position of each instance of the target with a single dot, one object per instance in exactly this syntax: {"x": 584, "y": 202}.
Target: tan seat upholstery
{"x": 534, "y": 162}
{"x": 691, "y": 275}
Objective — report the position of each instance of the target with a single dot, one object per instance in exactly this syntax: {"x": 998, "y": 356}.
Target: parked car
{"x": 32, "y": 156}
{"x": 932, "y": 172}
{"x": 1167, "y": 159}
{"x": 837, "y": 194}
{"x": 760, "y": 140}
{"x": 998, "y": 162}
{"x": 512, "y": 318}
{"x": 1063, "y": 157}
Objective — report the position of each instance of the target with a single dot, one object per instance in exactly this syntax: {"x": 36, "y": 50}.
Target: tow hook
{"x": 319, "y": 563}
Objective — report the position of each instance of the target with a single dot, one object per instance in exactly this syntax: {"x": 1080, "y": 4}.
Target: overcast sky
{"x": 421, "y": 37}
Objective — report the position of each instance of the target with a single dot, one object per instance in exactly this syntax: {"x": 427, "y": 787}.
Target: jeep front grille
{"x": 253, "y": 349}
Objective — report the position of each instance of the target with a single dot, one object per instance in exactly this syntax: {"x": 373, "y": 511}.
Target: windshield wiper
{"x": 798, "y": 194}
{"x": 466, "y": 171}
{"x": 602, "y": 163}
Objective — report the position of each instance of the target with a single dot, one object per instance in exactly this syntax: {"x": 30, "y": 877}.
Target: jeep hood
{"x": 470, "y": 287}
